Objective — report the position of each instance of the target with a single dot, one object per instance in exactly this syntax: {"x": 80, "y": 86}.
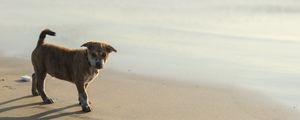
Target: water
{"x": 252, "y": 44}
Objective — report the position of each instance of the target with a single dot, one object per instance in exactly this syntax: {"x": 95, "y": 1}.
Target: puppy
{"x": 79, "y": 66}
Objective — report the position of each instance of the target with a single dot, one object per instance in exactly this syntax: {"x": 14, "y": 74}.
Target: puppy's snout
{"x": 99, "y": 65}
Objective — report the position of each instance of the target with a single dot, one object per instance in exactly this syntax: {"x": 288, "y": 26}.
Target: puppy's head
{"x": 98, "y": 53}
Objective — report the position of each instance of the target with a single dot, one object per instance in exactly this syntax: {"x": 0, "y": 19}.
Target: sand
{"x": 125, "y": 96}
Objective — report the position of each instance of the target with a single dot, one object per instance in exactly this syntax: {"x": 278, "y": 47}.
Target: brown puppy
{"x": 79, "y": 66}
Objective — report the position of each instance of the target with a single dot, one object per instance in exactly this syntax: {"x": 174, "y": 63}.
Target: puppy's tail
{"x": 43, "y": 36}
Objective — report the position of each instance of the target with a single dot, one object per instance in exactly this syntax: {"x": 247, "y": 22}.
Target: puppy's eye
{"x": 94, "y": 55}
{"x": 103, "y": 55}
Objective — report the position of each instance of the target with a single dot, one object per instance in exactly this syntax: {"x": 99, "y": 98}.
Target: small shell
{"x": 25, "y": 78}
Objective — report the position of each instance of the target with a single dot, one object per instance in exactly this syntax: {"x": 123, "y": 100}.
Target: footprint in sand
{"x": 8, "y": 87}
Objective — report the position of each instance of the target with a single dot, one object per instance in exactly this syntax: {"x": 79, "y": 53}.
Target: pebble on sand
{"x": 25, "y": 78}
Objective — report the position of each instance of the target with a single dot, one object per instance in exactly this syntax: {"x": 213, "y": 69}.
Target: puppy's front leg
{"x": 83, "y": 97}
{"x": 85, "y": 87}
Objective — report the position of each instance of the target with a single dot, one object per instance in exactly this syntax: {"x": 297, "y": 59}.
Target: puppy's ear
{"x": 88, "y": 45}
{"x": 110, "y": 48}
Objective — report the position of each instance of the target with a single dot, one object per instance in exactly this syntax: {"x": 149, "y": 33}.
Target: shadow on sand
{"x": 58, "y": 112}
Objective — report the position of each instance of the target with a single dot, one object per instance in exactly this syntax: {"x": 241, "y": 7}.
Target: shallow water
{"x": 253, "y": 44}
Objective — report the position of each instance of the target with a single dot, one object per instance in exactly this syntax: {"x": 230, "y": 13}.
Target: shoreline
{"x": 121, "y": 96}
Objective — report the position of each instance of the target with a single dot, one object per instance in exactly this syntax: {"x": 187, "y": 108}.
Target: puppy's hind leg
{"x": 40, "y": 77}
{"x": 34, "y": 86}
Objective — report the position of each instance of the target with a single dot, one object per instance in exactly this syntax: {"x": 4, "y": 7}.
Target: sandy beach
{"x": 176, "y": 60}
{"x": 124, "y": 96}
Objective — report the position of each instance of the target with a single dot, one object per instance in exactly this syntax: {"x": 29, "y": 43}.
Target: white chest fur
{"x": 93, "y": 73}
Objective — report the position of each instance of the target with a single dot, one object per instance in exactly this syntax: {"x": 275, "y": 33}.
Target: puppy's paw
{"x": 86, "y": 109}
{"x": 35, "y": 93}
{"x": 48, "y": 101}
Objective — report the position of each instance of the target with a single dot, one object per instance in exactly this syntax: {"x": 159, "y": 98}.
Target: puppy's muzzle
{"x": 99, "y": 65}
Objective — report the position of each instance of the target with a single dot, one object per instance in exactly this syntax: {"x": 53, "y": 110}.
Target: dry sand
{"x": 123, "y": 96}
